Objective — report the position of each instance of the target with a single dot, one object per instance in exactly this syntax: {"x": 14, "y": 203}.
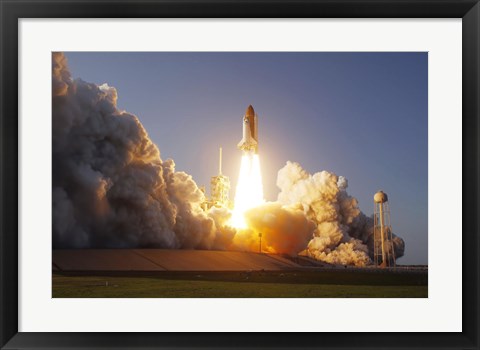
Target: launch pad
{"x": 167, "y": 260}
{"x": 159, "y": 273}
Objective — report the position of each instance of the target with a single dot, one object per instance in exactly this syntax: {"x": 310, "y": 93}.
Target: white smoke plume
{"x": 284, "y": 229}
{"x": 225, "y": 233}
{"x": 110, "y": 186}
{"x": 343, "y": 234}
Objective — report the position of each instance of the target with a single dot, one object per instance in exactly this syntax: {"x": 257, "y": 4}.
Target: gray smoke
{"x": 110, "y": 186}
{"x": 343, "y": 234}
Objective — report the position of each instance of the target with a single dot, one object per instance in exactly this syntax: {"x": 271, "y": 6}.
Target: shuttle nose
{"x": 249, "y": 112}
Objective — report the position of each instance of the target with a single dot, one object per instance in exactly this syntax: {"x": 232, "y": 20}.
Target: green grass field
{"x": 191, "y": 286}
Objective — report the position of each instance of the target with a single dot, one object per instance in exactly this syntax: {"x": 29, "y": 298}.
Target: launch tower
{"x": 384, "y": 252}
{"x": 220, "y": 186}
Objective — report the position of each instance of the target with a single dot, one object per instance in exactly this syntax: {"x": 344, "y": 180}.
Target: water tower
{"x": 384, "y": 252}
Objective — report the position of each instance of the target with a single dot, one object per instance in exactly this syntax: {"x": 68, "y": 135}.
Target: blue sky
{"x": 360, "y": 115}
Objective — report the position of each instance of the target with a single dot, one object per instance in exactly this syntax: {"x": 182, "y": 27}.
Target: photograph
{"x": 240, "y": 174}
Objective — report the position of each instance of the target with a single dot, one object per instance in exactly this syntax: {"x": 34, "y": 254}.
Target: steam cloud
{"x": 111, "y": 189}
{"x": 343, "y": 234}
{"x": 284, "y": 229}
{"x": 110, "y": 186}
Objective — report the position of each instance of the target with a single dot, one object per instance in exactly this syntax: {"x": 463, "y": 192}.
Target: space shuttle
{"x": 249, "y": 140}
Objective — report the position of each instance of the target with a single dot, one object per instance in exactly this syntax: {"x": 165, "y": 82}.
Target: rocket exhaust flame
{"x": 249, "y": 192}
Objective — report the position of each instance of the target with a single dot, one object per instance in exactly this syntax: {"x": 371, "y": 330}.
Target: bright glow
{"x": 249, "y": 192}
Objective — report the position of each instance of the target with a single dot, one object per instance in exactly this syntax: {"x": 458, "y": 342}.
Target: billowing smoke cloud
{"x": 225, "y": 233}
{"x": 343, "y": 234}
{"x": 284, "y": 229}
{"x": 110, "y": 186}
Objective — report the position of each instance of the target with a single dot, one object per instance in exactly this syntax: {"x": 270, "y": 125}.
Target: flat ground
{"x": 161, "y": 273}
{"x": 298, "y": 284}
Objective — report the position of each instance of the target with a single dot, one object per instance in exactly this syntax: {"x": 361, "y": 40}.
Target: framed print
{"x": 239, "y": 174}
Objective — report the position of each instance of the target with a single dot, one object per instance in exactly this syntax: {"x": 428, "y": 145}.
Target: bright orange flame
{"x": 249, "y": 192}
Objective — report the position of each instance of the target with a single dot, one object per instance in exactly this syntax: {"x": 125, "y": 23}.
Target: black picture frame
{"x": 13, "y": 10}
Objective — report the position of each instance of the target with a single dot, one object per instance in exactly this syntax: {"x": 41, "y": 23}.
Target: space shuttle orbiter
{"x": 249, "y": 141}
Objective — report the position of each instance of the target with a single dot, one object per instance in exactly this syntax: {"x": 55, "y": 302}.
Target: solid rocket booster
{"x": 249, "y": 140}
